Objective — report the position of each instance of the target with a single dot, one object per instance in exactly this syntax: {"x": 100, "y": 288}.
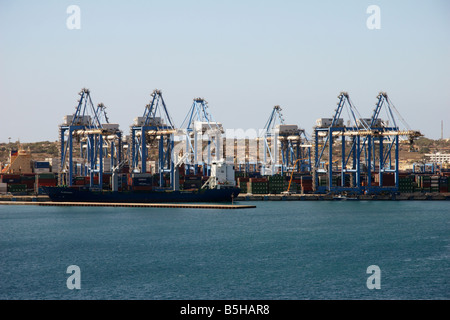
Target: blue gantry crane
{"x": 369, "y": 147}
{"x": 327, "y": 176}
{"x": 154, "y": 127}
{"x": 199, "y": 126}
{"x": 381, "y": 146}
{"x": 285, "y": 140}
{"x": 89, "y": 127}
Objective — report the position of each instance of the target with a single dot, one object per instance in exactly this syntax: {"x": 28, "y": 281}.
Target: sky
{"x": 242, "y": 56}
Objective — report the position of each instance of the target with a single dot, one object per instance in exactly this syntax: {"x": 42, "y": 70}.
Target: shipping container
{"x": 46, "y": 176}
{"x": 16, "y": 188}
{"x": 257, "y": 186}
{"x": 42, "y": 165}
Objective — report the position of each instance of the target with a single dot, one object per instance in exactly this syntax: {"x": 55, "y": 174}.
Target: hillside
{"x": 39, "y": 150}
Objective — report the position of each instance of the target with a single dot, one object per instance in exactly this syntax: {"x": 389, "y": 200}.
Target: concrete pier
{"x": 129, "y": 205}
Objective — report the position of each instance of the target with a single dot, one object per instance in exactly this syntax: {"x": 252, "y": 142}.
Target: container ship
{"x": 219, "y": 187}
{"x": 85, "y": 194}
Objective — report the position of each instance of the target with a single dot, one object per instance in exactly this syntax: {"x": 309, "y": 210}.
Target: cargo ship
{"x": 220, "y": 187}
{"x": 85, "y": 194}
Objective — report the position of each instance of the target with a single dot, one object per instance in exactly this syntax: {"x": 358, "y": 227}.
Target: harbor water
{"x": 279, "y": 250}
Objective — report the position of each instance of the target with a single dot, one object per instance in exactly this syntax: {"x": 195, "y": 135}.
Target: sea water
{"x": 281, "y": 250}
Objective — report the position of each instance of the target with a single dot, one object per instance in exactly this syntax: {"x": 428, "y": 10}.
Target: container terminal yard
{"x": 346, "y": 156}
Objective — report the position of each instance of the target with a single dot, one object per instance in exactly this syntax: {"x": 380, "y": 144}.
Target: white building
{"x": 439, "y": 157}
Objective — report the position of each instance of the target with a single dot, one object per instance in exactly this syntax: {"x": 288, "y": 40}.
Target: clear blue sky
{"x": 242, "y": 56}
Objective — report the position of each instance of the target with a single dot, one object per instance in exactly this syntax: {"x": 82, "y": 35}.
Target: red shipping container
{"x": 11, "y": 176}
{"x": 48, "y": 184}
{"x": 142, "y": 188}
{"x": 29, "y": 184}
{"x": 257, "y": 180}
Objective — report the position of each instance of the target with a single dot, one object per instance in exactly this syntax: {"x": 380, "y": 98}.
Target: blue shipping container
{"x": 41, "y": 164}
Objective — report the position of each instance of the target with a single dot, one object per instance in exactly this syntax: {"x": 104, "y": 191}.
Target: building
{"x": 438, "y": 157}
{"x": 19, "y": 162}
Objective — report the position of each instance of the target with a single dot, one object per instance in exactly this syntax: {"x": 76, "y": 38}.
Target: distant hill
{"x": 39, "y": 150}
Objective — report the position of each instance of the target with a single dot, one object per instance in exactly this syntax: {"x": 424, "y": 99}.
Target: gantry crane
{"x": 386, "y": 133}
{"x": 155, "y": 126}
{"x": 198, "y": 125}
{"x": 287, "y": 140}
{"x": 327, "y": 132}
{"x": 374, "y": 148}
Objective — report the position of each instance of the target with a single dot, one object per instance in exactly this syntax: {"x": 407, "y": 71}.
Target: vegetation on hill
{"x": 39, "y": 150}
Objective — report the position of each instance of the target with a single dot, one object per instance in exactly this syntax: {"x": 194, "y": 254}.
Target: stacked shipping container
{"x": 257, "y": 186}
{"x": 276, "y": 184}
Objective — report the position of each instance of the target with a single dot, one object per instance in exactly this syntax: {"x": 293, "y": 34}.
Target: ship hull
{"x": 66, "y": 194}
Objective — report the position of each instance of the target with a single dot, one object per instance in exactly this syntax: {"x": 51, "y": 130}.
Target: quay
{"x": 318, "y": 197}
{"x": 44, "y": 200}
